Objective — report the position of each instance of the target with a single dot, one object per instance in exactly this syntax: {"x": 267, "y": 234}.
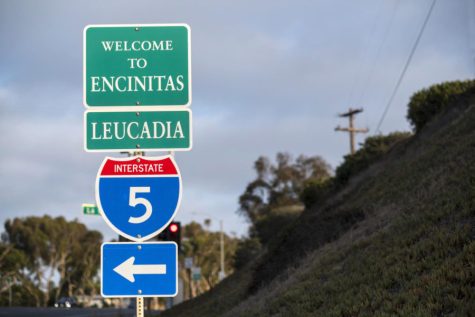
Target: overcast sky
{"x": 268, "y": 76}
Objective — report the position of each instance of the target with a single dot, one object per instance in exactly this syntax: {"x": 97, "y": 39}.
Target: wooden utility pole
{"x": 351, "y": 129}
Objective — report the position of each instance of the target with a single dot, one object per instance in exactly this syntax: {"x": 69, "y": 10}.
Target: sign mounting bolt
{"x": 138, "y": 146}
{"x": 139, "y": 236}
{"x": 137, "y": 29}
{"x": 137, "y": 103}
{"x": 139, "y": 247}
{"x": 138, "y": 160}
{"x": 137, "y": 113}
{"x": 139, "y": 291}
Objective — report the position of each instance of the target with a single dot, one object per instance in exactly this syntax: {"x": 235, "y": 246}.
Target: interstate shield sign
{"x": 138, "y": 197}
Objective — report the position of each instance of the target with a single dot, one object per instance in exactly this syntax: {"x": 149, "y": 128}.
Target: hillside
{"x": 398, "y": 239}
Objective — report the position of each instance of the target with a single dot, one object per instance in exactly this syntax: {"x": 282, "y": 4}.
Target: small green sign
{"x": 160, "y": 130}
{"x": 90, "y": 209}
{"x": 137, "y": 65}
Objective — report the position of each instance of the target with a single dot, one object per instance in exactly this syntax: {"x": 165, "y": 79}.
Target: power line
{"x": 378, "y": 53}
{"x": 471, "y": 29}
{"x": 364, "y": 52}
{"x": 401, "y": 77}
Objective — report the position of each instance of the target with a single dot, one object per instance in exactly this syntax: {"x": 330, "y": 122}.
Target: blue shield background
{"x": 114, "y": 199}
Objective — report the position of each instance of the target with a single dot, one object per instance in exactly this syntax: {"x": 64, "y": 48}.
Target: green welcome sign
{"x": 137, "y": 65}
{"x": 161, "y": 130}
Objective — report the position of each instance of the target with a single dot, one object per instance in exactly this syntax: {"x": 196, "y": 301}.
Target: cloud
{"x": 267, "y": 77}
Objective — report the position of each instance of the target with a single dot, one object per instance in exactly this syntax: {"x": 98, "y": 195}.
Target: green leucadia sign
{"x": 160, "y": 130}
{"x": 137, "y": 65}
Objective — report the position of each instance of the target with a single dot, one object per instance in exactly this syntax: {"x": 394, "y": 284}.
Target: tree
{"x": 273, "y": 198}
{"x": 204, "y": 247}
{"x": 372, "y": 150}
{"x": 83, "y": 264}
{"x": 54, "y": 245}
{"x": 253, "y": 202}
{"x": 427, "y": 103}
{"x": 12, "y": 263}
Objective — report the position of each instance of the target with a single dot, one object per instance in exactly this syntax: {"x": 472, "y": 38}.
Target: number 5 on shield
{"x": 134, "y": 201}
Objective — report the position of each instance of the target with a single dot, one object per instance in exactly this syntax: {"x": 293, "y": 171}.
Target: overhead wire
{"x": 364, "y": 89}
{"x": 406, "y": 66}
{"x": 364, "y": 52}
{"x": 471, "y": 30}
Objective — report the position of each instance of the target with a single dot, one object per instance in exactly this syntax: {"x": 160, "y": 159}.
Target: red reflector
{"x": 173, "y": 228}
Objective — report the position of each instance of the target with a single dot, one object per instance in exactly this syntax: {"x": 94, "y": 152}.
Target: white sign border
{"x": 138, "y": 108}
{"x": 138, "y": 295}
{"x": 111, "y": 225}
{"x": 164, "y": 109}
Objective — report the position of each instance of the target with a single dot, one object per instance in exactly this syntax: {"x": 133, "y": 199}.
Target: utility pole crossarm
{"x": 351, "y": 129}
{"x": 351, "y": 112}
{"x": 362, "y": 130}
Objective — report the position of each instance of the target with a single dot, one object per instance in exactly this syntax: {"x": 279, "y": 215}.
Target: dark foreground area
{"x": 68, "y": 312}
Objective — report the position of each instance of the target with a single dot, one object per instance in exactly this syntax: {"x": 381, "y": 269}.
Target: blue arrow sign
{"x": 138, "y": 196}
{"x": 131, "y": 269}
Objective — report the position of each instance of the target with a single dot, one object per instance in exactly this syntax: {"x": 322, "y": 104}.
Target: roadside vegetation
{"x": 35, "y": 250}
{"x": 43, "y": 259}
{"x": 390, "y": 233}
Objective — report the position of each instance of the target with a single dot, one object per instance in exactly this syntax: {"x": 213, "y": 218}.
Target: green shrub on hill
{"x": 263, "y": 232}
{"x": 373, "y": 148}
{"x": 277, "y": 220}
{"x": 246, "y": 252}
{"x": 426, "y": 103}
{"x": 314, "y": 190}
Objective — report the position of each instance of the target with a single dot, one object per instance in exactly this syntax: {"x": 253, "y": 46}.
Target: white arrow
{"x": 127, "y": 269}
